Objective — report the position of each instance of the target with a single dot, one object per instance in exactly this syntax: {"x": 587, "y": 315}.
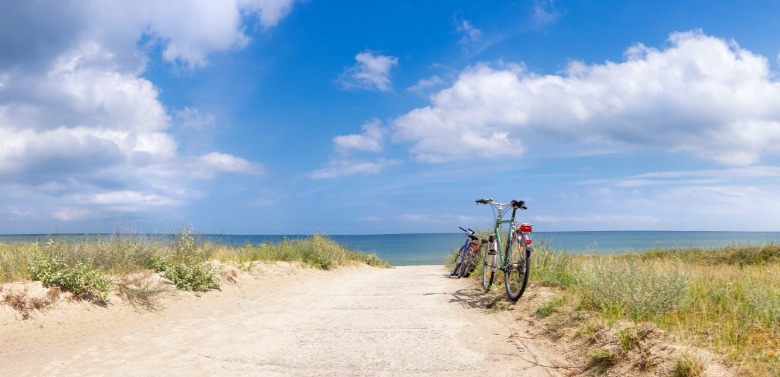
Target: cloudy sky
{"x": 366, "y": 117}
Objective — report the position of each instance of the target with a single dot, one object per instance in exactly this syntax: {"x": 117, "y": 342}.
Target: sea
{"x": 435, "y": 248}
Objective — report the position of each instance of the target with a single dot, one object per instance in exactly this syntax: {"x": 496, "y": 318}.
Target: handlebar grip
{"x": 518, "y": 204}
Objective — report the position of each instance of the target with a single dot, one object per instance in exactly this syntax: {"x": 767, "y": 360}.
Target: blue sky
{"x": 356, "y": 117}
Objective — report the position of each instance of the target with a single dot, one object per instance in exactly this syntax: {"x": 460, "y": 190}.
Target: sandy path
{"x": 405, "y": 321}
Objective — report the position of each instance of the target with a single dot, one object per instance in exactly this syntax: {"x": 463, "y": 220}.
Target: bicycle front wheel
{"x": 517, "y": 268}
{"x": 488, "y": 267}
{"x": 458, "y": 261}
{"x": 468, "y": 260}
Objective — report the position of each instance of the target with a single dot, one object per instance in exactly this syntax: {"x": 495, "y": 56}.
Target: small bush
{"x": 370, "y": 259}
{"x": 187, "y": 265}
{"x": 80, "y": 278}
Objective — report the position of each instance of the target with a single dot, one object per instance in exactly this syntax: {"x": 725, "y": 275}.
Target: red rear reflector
{"x": 526, "y": 228}
{"x": 528, "y": 241}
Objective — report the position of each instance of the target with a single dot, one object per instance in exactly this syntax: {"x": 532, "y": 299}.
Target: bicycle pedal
{"x": 491, "y": 252}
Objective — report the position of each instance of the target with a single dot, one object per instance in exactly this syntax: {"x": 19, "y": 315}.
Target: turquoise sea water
{"x": 434, "y": 248}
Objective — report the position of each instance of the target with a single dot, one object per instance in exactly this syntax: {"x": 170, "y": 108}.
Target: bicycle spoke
{"x": 516, "y": 271}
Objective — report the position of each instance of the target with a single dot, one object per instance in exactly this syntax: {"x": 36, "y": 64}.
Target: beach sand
{"x": 282, "y": 321}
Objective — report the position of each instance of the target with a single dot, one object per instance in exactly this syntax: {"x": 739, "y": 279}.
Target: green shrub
{"x": 187, "y": 264}
{"x": 370, "y": 259}
{"x": 80, "y": 278}
{"x": 197, "y": 277}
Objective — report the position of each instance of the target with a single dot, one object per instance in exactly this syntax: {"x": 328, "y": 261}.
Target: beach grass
{"x": 725, "y": 299}
{"x": 317, "y": 251}
{"x": 90, "y": 267}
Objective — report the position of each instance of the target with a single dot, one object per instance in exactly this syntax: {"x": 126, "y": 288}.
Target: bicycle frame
{"x": 471, "y": 255}
{"x": 495, "y": 238}
{"x": 469, "y": 247}
{"x": 519, "y": 234}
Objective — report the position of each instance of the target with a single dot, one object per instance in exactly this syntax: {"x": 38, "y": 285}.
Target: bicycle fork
{"x": 493, "y": 252}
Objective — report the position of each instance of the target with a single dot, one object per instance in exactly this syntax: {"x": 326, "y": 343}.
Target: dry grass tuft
{"x": 688, "y": 365}
{"x": 142, "y": 290}
{"x": 22, "y": 302}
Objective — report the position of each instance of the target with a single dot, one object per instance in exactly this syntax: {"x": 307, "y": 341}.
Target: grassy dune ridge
{"x": 93, "y": 266}
{"x": 724, "y": 299}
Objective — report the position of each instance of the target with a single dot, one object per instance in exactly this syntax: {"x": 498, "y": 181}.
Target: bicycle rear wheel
{"x": 517, "y": 268}
{"x": 488, "y": 266}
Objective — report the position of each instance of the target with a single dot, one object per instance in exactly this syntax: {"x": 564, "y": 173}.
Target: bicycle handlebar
{"x": 470, "y": 233}
{"x": 516, "y": 204}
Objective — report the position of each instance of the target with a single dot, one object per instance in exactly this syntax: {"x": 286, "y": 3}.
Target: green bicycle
{"x": 515, "y": 262}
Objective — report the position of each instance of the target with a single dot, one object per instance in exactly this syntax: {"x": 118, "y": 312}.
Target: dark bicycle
{"x": 466, "y": 257}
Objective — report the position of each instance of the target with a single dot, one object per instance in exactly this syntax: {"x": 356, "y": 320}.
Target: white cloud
{"x": 81, "y": 129}
{"x": 191, "y": 118}
{"x": 469, "y": 33}
{"x": 599, "y": 220}
{"x": 207, "y": 166}
{"x": 72, "y": 214}
{"x": 544, "y": 13}
{"x": 370, "y": 140}
{"x": 343, "y": 167}
{"x": 424, "y": 85}
{"x": 732, "y": 198}
{"x": 126, "y": 200}
{"x": 701, "y": 95}
{"x": 438, "y": 218}
{"x": 371, "y": 72}
{"x": 708, "y": 176}
{"x": 188, "y": 31}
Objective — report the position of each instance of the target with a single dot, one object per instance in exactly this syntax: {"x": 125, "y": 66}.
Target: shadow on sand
{"x": 472, "y": 297}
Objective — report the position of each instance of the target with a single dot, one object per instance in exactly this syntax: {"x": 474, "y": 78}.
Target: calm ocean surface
{"x": 433, "y": 248}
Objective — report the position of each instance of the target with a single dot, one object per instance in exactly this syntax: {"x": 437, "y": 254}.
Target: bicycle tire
{"x": 487, "y": 268}
{"x": 456, "y": 264}
{"x": 471, "y": 265}
{"x": 517, "y": 267}
{"x": 467, "y": 261}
